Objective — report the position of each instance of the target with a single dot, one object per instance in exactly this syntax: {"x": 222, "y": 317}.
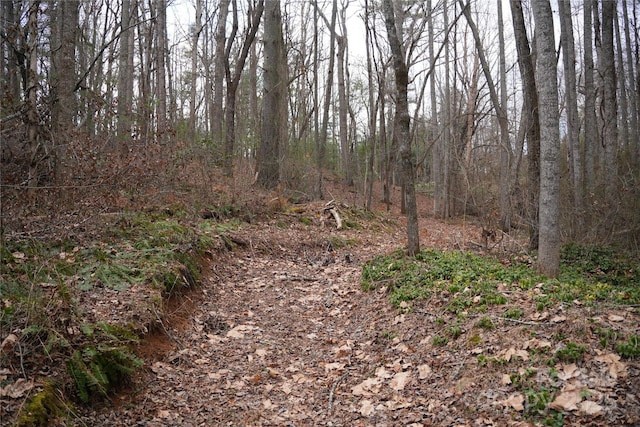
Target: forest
{"x": 154, "y": 152}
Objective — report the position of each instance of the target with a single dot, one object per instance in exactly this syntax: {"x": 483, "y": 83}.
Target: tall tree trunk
{"x": 531, "y": 121}
{"x": 31, "y": 94}
{"x": 274, "y": 112}
{"x": 501, "y": 112}
{"x": 622, "y": 89}
{"x": 343, "y": 107}
{"x": 401, "y": 122}
{"x": 233, "y": 80}
{"x": 219, "y": 73}
{"x": 546, "y": 79}
{"x": 571, "y": 101}
{"x": 194, "y": 70}
{"x": 436, "y": 153}
{"x": 607, "y": 70}
{"x": 590, "y": 121}
{"x": 633, "y": 101}
{"x": 161, "y": 55}
{"x": 322, "y": 143}
{"x": 124, "y": 74}
{"x": 373, "y": 109}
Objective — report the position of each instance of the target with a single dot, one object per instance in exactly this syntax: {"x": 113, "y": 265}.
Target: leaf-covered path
{"x": 281, "y": 334}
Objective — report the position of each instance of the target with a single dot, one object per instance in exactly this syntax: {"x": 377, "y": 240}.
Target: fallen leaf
{"x": 616, "y": 368}
{"x": 381, "y": 372}
{"x": 615, "y": 318}
{"x": 267, "y": 404}
{"x": 568, "y": 371}
{"x": 17, "y": 389}
{"x": 558, "y": 319}
{"x": 590, "y": 408}
{"x": 508, "y": 354}
{"x": 366, "y": 408}
{"x": 240, "y": 330}
{"x": 516, "y": 401}
{"x": 8, "y": 343}
{"x": 424, "y": 371}
{"x": 506, "y": 379}
{"x": 566, "y": 401}
{"x": 400, "y": 380}
{"x": 336, "y": 366}
{"x": 367, "y": 387}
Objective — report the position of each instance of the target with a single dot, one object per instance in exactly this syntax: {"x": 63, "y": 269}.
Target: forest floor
{"x": 279, "y": 332}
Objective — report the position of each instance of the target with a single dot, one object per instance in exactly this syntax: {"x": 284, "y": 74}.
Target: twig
{"x": 521, "y": 321}
{"x": 164, "y": 328}
{"x": 333, "y": 389}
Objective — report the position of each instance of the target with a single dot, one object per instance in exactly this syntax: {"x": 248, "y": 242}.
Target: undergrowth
{"x": 43, "y": 284}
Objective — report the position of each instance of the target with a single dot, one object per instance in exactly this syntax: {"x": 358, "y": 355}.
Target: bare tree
{"x": 194, "y": 70}
{"x": 274, "y": 112}
{"x": 607, "y": 69}
{"x": 590, "y": 122}
{"x": 217, "y": 119}
{"x": 571, "y": 101}
{"x": 530, "y": 121}
{"x": 124, "y": 76}
{"x": 161, "y": 56}
{"x": 401, "y": 126}
{"x": 546, "y": 79}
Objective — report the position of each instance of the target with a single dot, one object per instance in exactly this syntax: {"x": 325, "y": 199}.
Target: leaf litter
{"x": 282, "y": 333}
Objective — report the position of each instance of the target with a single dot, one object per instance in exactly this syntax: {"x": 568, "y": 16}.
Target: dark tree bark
{"x": 530, "y": 118}
{"x": 274, "y": 111}
{"x": 401, "y": 127}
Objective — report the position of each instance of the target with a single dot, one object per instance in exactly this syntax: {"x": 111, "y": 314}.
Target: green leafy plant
{"x": 571, "y": 353}
{"x": 629, "y": 349}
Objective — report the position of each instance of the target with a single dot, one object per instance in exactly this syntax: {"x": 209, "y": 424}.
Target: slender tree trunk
{"x": 124, "y": 74}
{"x": 622, "y": 89}
{"x": 401, "y": 131}
{"x": 274, "y": 118}
{"x": 436, "y": 153}
{"x": 532, "y": 121}
{"x": 373, "y": 110}
{"x": 322, "y": 144}
{"x": 161, "y": 54}
{"x": 194, "y": 70}
{"x": 31, "y": 94}
{"x": 590, "y": 121}
{"x": 501, "y": 112}
{"x": 219, "y": 73}
{"x": 546, "y": 78}
{"x": 633, "y": 127}
{"x": 571, "y": 101}
{"x": 233, "y": 80}
{"x": 607, "y": 70}
{"x": 343, "y": 107}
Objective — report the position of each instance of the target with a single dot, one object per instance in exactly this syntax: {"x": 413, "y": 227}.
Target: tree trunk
{"x": 532, "y": 121}
{"x": 124, "y": 74}
{"x": 571, "y": 101}
{"x": 546, "y": 79}
{"x": 436, "y": 156}
{"x": 194, "y": 70}
{"x": 233, "y": 80}
{"x": 633, "y": 101}
{"x": 274, "y": 113}
{"x": 219, "y": 73}
{"x": 590, "y": 122}
{"x": 161, "y": 54}
{"x": 343, "y": 107}
{"x": 401, "y": 131}
{"x": 31, "y": 94}
{"x": 607, "y": 70}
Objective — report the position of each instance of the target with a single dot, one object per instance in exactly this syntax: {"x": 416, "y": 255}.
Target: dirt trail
{"x": 282, "y": 334}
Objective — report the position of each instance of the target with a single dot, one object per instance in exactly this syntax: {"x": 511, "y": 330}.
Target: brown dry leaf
{"x": 508, "y": 354}
{"x": 267, "y": 404}
{"x": 566, "y": 401}
{"x": 559, "y": 318}
{"x": 400, "y": 380}
{"x": 335, "y": 366}
{"x": 568, "y": 371}
{"x": 240, "y": 330}
{"x": 537, "y": 344}
{"x": 17, "y": 389}
{"x": 8, "y": 343}
{"x": 366, "y": 408}
{"x": 506, "y": 379}
{"x": 424, "y": 371}
{"x": 616, "y": 368}
{"x": 367, "y": 387}
{"x": 515, "y": 401}
{"x": 539, "y": 316}
{"x": 615, "y": 318}
{"x": 590, "y": 408}
{"x": 381, "y": 372}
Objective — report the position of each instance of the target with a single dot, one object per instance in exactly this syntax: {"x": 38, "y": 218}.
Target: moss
{"x": 41, "y": 409}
